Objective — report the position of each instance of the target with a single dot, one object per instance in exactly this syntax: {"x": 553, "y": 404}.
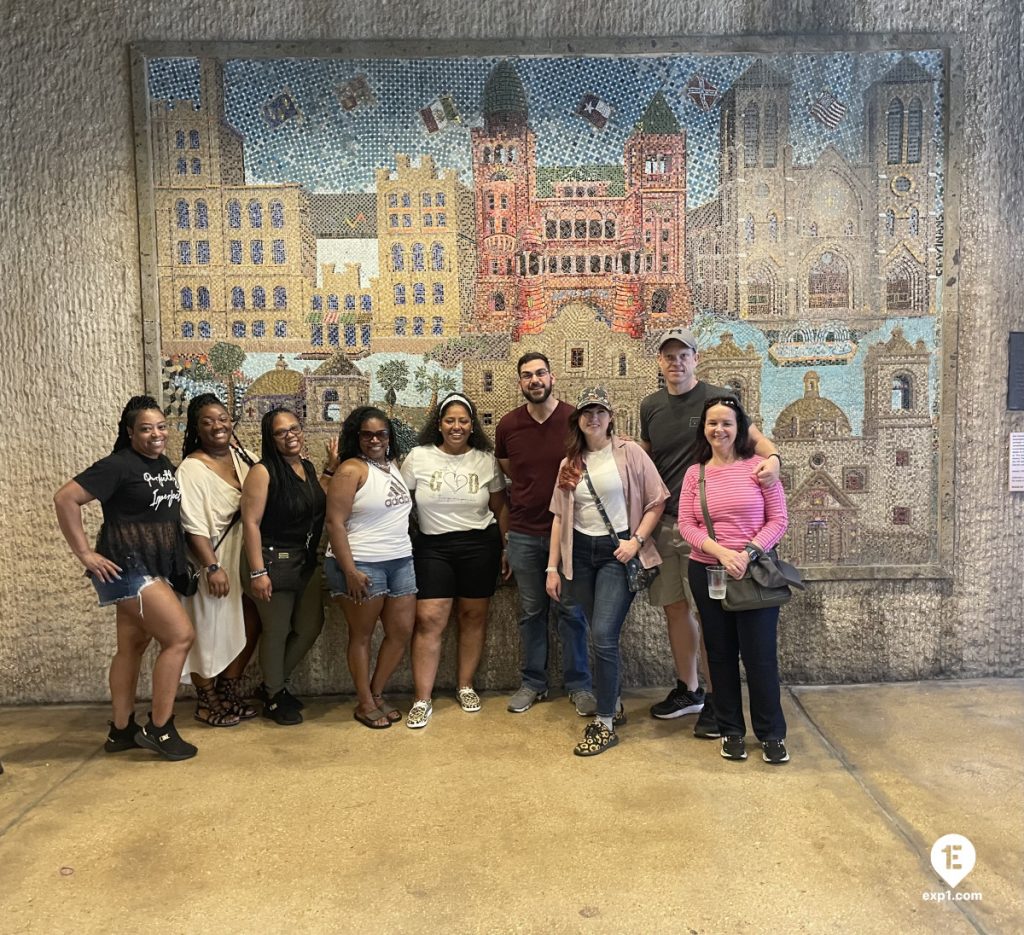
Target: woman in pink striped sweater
{"x": 746, "y": 518}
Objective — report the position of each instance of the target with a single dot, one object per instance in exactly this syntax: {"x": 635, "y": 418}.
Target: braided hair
{"x": 131, "y": 411}
{"x": 191, "y": 441}
{"x": 276, "y": 466}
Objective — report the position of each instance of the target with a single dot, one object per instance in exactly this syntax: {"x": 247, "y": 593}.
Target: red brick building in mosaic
{"x": 611, "y": 237}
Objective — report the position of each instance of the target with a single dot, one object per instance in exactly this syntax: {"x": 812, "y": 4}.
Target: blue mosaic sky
{"x": 328, "y": 149}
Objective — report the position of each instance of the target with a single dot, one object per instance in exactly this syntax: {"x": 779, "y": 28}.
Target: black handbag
{"x": 186, "y": 583}
{"x": 637, "y": 577}
{"x": 767, "y": 581}
{"x": 285, "y": 566}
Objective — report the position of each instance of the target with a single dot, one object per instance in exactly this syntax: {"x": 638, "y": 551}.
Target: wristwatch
{"x": 210, "y": 569}
{"x": 640, "y": 539}
{"x": 752, "y": 551}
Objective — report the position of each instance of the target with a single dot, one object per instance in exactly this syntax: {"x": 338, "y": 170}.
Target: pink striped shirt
{"x": 741, "y": 510}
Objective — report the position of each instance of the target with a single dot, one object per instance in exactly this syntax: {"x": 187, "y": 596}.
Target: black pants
{"x": 753, "y": 636}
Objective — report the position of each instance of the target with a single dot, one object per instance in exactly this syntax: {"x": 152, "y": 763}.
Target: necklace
{"x": 385, "y": 467}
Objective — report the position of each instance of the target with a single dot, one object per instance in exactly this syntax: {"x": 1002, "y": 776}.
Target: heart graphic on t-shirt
{"x": 455, "y": 480}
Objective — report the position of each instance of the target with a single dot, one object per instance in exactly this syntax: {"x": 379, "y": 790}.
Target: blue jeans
{"x": 528, "y": 556}
{"x": 600, "y": 587}
{"x": 750, "y": 635}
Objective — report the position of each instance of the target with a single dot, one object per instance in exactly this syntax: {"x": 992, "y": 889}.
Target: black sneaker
{"x": 680, "y": 701}
{"x": 164, "y": 740}
{"x": 289, "y": 699}
{"x": 278, "y": 710}
{"x": 734, "y": 748}
{"x": 122, "y": 738}
{"x": 774, "y": 751}
{"x": 619, "y": 717}
{"x": 707, "y": 724}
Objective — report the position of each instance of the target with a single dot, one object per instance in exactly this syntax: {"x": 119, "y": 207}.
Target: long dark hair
{"x": 348, "y": 441}
{"x": 743, "y": 446}
{"x": 277, "y": 467}
{"x": 129, "y": 414}
{"x": 191, "y": 441}
{"x": 430, "y": 434}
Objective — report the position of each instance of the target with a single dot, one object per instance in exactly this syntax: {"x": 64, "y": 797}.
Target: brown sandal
{"x": 390, "y": 711}
{"x": 368, "y": 719}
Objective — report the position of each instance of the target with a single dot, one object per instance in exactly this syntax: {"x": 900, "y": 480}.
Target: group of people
{"x": 219, "y": 556}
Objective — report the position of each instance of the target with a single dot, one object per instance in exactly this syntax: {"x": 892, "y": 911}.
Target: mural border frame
{"x": 953, "y": 114}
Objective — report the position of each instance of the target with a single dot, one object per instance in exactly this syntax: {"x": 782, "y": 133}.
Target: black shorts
{"x": 457, "y": 564}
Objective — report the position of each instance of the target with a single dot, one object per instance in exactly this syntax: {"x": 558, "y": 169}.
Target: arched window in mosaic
{"x": 397, "y": 258}
{"x": 890, "y": 222}
{"x": 197, "y": 167}
{"x": 205, "y": 331}
{"x": 203, "y": 297}
{"x": 181, "y": 210}
{"x": 828, "y": 282}
{"x": 238, "y": 329}
{"x": 202, "y": 215}
{"x": 751, "y": 134}
{"x": 350, "y": 302}
{"x": 914, "y": 123}
{"x": 255, "y": 214}
{"x": 902, "y": 392}
{"x": 332, "y": 302}
{"x": 762, "y": 294}
{"x": 915, "y": 222}
{"x": 419, "y": 293}
{"x": 193, "y": 139}
{"x": 259, "y": 328}
{"x": 773, "y": 228}
{"x": 280, "y": 328}
{"x": 417, "y": 256}
{"x": 906, "y": 287}
{"x": 259, "y": 297}
{"x": 399, "y": 294}
{"x": 234, "y": 214}
{"x": 437, "y": 257}
{"x": 317, "y": 303}
{"x": 894, "y": 132}
{"x": 499, "y": 301}
{"x": 179, "y": 139}
{"x": 187, "y": 329}
{"x": 280, "y": 297}
{"x": 366, "y": 303}
{"x": 770, "y": 148}
{"x": 659, "y": 301}
{"x": 186, "y": 297}
{"x": 276, "y": 214}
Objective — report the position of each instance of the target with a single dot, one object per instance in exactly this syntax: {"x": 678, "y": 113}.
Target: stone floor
{"x": 486, "y": 823}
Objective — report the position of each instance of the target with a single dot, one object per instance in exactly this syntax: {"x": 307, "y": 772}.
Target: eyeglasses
{"x": 295, "y": 430}
{"x": 380, "y": 436}
{"x": 537, "y": 374}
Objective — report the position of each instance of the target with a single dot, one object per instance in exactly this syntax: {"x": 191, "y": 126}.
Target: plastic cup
{"x": 716, "y": 582}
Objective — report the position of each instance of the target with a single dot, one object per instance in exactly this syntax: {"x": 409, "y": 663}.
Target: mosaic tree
{"x": 224, "y": 360}
{"x": 428, "y": 379}
{"x": 393, "y": 376}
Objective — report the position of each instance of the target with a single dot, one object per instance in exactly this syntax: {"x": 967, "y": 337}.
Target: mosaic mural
{"x": 332, "y": 231}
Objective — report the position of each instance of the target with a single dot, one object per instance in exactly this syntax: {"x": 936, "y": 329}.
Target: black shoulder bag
{"x": 767, "y": 580}
{"x": 286, "y": 567}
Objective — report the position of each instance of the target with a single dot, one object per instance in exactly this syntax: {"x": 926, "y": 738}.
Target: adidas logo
{"x": 397, "y": 495}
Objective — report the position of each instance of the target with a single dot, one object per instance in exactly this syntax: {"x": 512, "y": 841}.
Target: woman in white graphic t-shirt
{"x": 459, "y": 551}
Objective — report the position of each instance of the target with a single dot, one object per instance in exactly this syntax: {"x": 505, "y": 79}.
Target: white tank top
{"x": 378, "y": 527}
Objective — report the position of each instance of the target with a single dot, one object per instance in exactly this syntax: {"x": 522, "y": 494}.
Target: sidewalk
{"x": 486, "y": 823}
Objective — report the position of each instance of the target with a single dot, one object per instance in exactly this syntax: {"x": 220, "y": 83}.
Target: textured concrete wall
{"x": 72, "y": 338}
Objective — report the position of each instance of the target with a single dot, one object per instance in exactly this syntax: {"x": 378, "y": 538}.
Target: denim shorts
{"x": 393, "y": 578}
{"x": 129, "y": 585}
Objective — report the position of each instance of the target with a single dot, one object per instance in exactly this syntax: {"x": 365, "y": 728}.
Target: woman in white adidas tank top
{"x": 369, "y": 565}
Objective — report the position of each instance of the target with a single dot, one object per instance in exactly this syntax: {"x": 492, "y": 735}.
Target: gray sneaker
{"x": 524, "y": 699}
{"x": 586, "y": 703}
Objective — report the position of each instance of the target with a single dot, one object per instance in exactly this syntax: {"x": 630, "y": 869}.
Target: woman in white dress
{"x": 227, "y": 626}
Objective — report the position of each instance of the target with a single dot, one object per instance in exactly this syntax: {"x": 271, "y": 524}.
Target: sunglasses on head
{"x": 721, "y": 401}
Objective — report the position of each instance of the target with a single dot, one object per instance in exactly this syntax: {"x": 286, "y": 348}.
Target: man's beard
{"x": 543, "y": 399}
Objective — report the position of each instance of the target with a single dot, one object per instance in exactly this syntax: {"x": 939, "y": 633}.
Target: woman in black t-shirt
{"x": 139, "y": 551}
{"x": 283, "y": 507}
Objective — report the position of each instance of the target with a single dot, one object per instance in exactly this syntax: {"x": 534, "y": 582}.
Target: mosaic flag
{"x": 828, "y": 110}
{"x": 280, "y": 109}
{"x": 702, "y": 92}
{"x": 595, "y": 111}
{"x": 354, "y": 92}
{"x": 439, "y": 113}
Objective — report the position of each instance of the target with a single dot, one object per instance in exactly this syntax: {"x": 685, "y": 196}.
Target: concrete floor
{"x": 486, "y": 823}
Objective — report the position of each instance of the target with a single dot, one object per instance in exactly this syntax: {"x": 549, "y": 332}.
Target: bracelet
{"x": 331, "y": 473}
{"x": 775, "y": 454}
{"x": 253, "y": 575}
{"x": 550, "y": 569}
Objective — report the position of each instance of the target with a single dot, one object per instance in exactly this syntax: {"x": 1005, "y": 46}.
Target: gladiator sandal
{"x": 218, "y": 713}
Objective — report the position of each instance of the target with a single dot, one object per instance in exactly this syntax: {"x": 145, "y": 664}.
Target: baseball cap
{"x": 594, "y": 396}
{"x": 682, "y": 335}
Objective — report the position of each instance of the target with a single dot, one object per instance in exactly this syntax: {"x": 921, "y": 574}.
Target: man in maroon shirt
{"x": 530, "y": 444}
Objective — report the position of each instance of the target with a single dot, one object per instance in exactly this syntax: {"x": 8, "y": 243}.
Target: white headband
{"x": 455, "y": 398}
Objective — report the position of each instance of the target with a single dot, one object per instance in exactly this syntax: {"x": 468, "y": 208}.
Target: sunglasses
{"x": 381, "y": 435}
{"x": 721, "y": 401}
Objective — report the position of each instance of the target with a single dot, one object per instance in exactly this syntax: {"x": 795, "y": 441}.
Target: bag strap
{"x": 600, "y": 506}
{"x": 227, "y": 529}
{"x": 704, "y": 507}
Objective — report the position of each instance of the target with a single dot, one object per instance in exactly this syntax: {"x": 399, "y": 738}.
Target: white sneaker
{"x": 468, "y": 698}
{"x": 419, "y": 714}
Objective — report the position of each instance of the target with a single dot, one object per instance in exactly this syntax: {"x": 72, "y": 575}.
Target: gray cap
{"x": 682, "y": 335}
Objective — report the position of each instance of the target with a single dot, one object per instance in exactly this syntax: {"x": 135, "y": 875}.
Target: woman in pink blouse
{"x": 746, "y": 519}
